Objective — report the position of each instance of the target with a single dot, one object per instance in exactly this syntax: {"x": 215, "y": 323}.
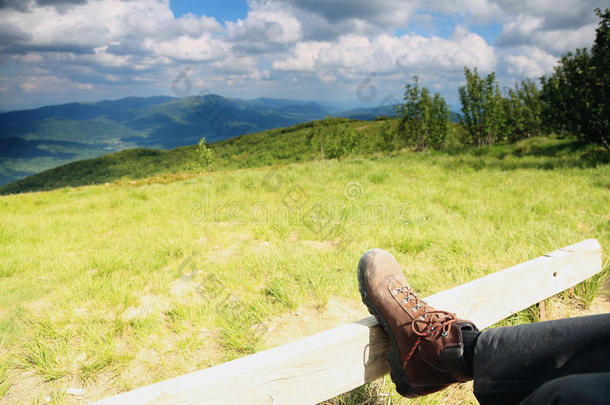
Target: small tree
{"x": 387, "y": 135}
{"x": 343, "y": 141}
{"x": 206, "y": 154}
{"x": 333, "y": 139}
{"x": 439, "y": 125}
{"x": 482, "y": 107}
{"x": 425, "y": 120}
{"x": 316, "y": 136}
{"x": 523, "y": 111}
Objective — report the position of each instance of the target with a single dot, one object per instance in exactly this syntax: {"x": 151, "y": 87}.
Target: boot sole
{"x": 393, "y": 356}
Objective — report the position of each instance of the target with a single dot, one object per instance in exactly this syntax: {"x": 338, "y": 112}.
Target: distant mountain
{"x": 371, "y": 113}
{"x": 41, "y": 138}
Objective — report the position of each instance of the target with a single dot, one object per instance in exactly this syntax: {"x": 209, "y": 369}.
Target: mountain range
{"x": 42, "y": 138}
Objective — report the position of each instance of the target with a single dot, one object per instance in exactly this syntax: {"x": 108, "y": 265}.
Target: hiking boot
{"x": 427, "y": 351}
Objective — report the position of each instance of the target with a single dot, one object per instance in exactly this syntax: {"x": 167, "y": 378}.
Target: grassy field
{"x": 114, "y": 286}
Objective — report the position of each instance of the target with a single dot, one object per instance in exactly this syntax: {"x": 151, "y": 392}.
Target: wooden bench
{"x": 322, "y": 366}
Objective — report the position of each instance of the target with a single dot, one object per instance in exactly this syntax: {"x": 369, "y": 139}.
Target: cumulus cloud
{"x": 291, "y": 46}
{"x": 304, "y": 57}
{"x": 529, "y": 61}
{"x": 27, "y": 5}
{"x": 382, "y": 12}
{"x": 354, "y": 56}
{"x": 100, "y": 23}
{"x": 534, "y": 31}
{"x": 265, "y": 29}
{"x": 186, "y": 48}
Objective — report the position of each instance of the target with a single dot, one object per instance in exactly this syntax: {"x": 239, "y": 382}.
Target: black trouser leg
{"x": 576, "y": 389}
{"x": 512, "y": 362}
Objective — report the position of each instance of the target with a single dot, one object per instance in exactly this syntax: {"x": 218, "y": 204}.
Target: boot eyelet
{"x": 416, "y": 307}
{"x": 397, "y": 291}
{"x": 444, "y": 334}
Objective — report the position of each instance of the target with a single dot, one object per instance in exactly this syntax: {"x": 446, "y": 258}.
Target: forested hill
{"x": 38, "y": 139}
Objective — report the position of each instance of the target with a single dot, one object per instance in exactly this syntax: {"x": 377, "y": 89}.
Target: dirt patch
{"x": 165, "y": 359}
{"x": 185, "y": 289}
{"x": 601, "y": 303}
{"x": 557, "y": 308}
{"x": 318, "y": 245}
{"x": 28, "y": 382}
{"x": 40, "y": 307}
{"x": 86, "y": 311}
{"x": 307, "y": 321}
{"x": 149, "y": 304}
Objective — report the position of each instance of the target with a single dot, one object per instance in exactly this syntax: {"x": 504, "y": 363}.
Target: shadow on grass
{"x": 539, "y": 153}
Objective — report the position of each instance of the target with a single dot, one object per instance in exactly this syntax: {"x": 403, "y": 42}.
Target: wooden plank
{"x": 492, "y": 298}
{"x": 327, "y": 364}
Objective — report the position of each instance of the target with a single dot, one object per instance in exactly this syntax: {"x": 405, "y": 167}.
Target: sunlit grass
{"x": 5, "y": 380}
{"x": 146, "y": 281}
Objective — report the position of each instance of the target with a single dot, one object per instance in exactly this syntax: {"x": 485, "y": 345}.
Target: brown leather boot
{"x": 427, "y": 351}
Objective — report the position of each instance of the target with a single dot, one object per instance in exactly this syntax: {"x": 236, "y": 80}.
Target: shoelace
{"x": 427, "y": 323}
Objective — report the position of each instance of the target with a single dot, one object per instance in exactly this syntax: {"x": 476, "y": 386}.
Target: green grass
{"x": 133, "y": 283}
{"x": 5, "y": 380}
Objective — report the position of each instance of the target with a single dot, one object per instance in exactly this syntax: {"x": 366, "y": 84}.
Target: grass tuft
{"x": 5, "y": 380}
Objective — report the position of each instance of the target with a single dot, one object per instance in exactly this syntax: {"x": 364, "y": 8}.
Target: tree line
{"x": 574, "y": 99}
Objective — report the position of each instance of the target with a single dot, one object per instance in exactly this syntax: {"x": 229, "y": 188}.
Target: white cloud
{"x": 264, "y": 28}
{"x": 521, "y": 28}
{"x": 529, "y": 62}
{"x": 304, "y": 59}
{"x": 335, "y": 10}
{"x": 43, "y": 83}
{"x": 99, "y": 23}
{"x": 28, "y": 87}
{"x": 294, "y": 47}
{"x": 353, "y": 56}
{"x": 186, "y": 48}
{"x": 561, "y": 41}
{"x": 479, "y": 11}
{"x": 531, "y": 30}
{"x": 237, "y": 65}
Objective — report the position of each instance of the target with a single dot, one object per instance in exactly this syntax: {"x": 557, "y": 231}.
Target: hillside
{"x": 35, "y": 140}
{"x": 32, "y": 141}
{"x": 114, "y": 286}
{"x": 279, "y": 146}
{"x": 276, "y": 146}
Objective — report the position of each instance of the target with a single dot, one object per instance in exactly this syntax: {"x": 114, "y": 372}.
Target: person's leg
{"x": 509, "y": 363}
{"x": 589, "y": 389}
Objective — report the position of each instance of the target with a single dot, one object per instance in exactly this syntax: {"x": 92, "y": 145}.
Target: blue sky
{"x": 222, "y": 10}
{"x": 60, "y": 51}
